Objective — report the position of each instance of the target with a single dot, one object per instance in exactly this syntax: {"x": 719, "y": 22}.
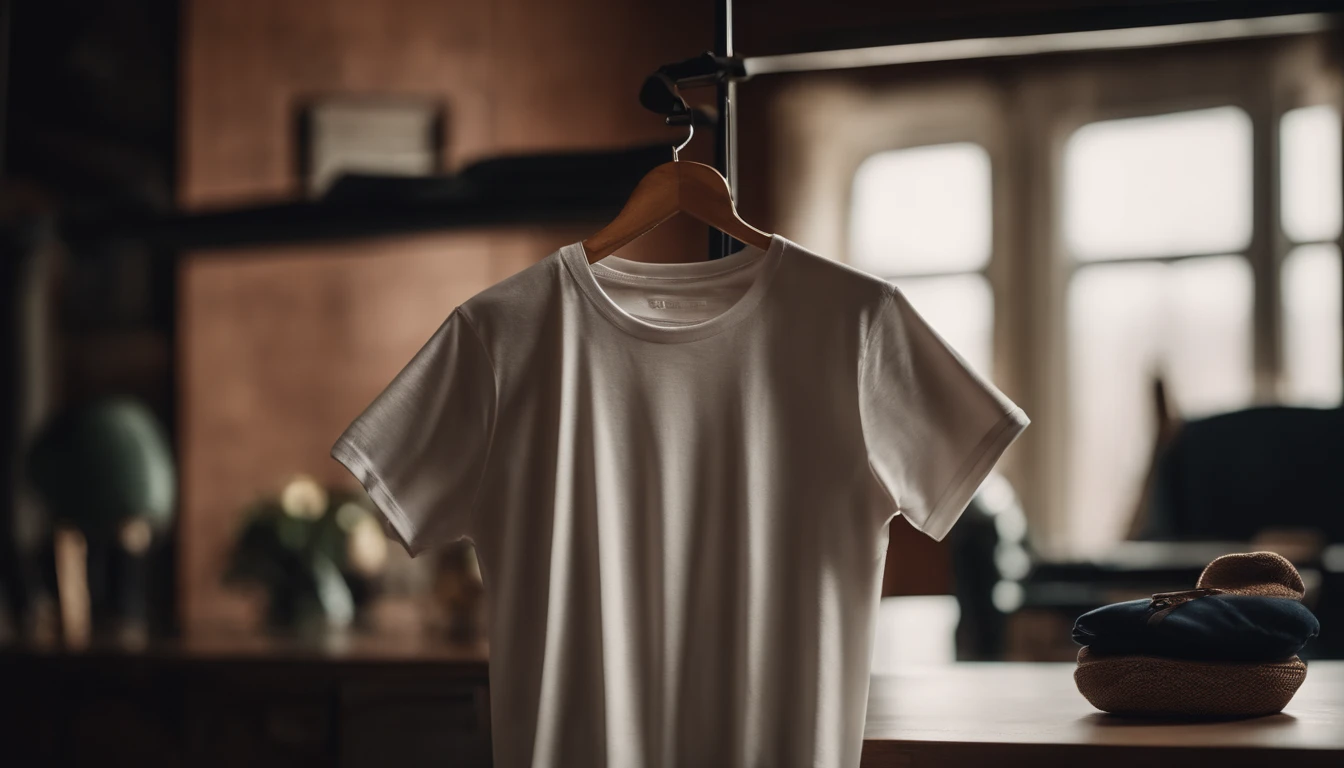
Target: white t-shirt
{"x": 679, "y": 479}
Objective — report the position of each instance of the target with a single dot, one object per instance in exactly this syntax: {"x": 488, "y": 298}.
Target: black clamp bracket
{"x": 661, "y": 92}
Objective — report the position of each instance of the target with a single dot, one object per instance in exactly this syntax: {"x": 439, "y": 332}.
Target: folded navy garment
{"x": 1214, "y": 627}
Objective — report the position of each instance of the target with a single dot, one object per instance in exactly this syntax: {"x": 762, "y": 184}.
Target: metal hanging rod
{"x": 1029, "y": 45}
{"x": 713, "y": 69}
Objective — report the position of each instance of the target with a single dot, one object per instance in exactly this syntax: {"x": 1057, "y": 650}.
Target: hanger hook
{"x": 681, "y": 111}
{"x": 690, "y": 133}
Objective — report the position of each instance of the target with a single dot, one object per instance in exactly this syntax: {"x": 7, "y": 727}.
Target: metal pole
{"x": 6, "y": 12}
{"x": 725, "y": 159}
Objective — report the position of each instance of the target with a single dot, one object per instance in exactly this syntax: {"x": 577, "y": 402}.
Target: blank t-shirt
{"x": 679, "y": 480}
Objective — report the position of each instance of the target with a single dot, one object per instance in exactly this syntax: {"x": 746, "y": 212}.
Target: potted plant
{"x": 317, "y": 552}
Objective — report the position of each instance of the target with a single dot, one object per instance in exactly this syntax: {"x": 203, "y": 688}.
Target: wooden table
{"x": 1003, "y": 715}
{"x": 215, "y": 699}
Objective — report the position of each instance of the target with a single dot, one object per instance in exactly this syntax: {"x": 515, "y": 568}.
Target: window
{"x": 1128, "y": 232}
{"x": 1309, "y": 143}
{"x": 1140, "y": 194}
{"x": 921, "y": 217}
{"x": 1159, "y": 186}
{"x": 1312, "y": 325}
{"x": 1312, "y": 208}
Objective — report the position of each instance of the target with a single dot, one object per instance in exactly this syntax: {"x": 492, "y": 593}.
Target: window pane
{"x": 1311, "y": 199}
{"x": 1189, "y": 322}
{"x": 1312, "y": 327}
{"x": 961, "y": 309}
{"x": 925, "y": 209}
{"x": 1159, "y": 186}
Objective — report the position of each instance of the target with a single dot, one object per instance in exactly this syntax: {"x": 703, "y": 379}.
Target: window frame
{"x": 1023, "y": 112}
{"x": 1144, "y": 86}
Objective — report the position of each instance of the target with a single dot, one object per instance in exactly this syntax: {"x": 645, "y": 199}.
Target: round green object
{"x": 100, "y": 464}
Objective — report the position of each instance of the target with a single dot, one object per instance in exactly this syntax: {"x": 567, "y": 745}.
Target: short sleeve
{"x": 933, "y": 428}
{"x": 420, "y": 449}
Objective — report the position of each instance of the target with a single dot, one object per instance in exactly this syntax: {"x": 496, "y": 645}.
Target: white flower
{"x": 303, "y": 498}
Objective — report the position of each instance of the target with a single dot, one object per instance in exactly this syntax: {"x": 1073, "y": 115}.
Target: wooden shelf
{"x": 565, "y": 188}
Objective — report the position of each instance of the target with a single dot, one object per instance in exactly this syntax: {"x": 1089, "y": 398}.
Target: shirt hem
{"x": 359, "y": 465}
{"x": 954, "y": 500}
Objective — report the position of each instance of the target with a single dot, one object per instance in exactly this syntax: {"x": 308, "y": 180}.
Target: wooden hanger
{"x": 680, "y": 186}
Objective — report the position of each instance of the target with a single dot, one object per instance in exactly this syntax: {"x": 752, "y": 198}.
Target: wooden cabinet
{"x": 255, "y": 705}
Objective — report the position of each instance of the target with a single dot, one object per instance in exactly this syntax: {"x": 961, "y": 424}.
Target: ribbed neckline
{"x": 575, "y": 259}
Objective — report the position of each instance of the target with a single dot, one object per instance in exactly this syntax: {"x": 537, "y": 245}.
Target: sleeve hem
{"x": 973, "y": 472}
{"x": 359, "y": 464}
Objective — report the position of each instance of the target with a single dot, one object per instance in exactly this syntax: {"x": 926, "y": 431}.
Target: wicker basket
{"x": 1151, "y": 686}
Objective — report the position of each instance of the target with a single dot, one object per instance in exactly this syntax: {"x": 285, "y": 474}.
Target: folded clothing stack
{"x": 1225, "y": 649}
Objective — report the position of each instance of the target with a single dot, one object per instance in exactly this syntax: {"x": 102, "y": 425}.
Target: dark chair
{"x": 1231, "y": 476}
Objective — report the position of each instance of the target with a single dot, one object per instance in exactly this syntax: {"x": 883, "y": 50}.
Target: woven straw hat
{"x": 1261, "y": 574}
{"x": 1151, "y": 686}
